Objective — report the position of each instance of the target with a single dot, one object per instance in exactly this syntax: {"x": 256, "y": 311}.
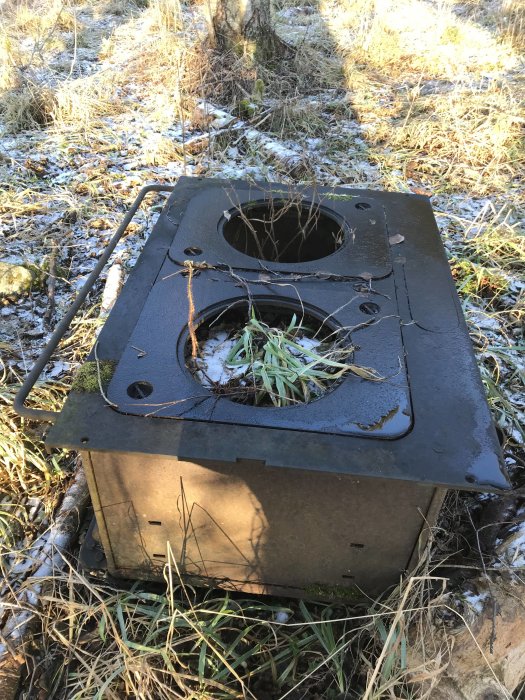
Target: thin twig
{"x": 486, "y": 576}
{"x": 51, "y": 283}
{"x": 188, "y": 264}
{"x": 99, "y": 379}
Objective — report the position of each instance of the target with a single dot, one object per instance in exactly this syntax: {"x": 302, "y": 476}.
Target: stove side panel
{"x": 250, "y": 527}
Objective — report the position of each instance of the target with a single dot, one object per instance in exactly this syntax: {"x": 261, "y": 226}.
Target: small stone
{"x": 14, "y": 280}
{"x": 282, "y": 617}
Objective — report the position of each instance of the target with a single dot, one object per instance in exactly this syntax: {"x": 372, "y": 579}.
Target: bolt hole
{"x": 84, "y": 440}
{"x": 357, "y": 545}
{"x": 192, "y": 250}
{"x": 362, "y": 205}
{"x": 139, "y": 390}
{"x": 471, "y": 479}
{"x": 370, "y": 308}
{"x": 154, "y": 522}
{"x": 348, "y": 576}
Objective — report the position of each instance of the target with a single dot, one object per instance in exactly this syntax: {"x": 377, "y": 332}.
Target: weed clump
{"x": 475, "y": 280}
{"x": 278, "y": 362}
{"x": 27, "y": 106}
{"x": 27, "y": 474}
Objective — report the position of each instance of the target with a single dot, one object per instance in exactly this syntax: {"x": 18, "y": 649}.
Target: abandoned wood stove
{"x": 319, "y": 478}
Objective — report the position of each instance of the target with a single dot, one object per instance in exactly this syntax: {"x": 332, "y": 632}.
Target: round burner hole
{"x": 271, "y": 357}
{"x": 283, "y": 231}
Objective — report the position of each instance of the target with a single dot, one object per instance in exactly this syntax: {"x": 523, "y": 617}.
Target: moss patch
{"x": 334, "y": 593}
{"x": 247, "y": 108}
{"x": 339, "y": 197}
{"x": 86, "y": 379}
{"x": 14, "y": 280}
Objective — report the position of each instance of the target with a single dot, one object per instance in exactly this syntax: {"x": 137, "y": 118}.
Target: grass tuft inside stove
{"x": 273, "y": 358}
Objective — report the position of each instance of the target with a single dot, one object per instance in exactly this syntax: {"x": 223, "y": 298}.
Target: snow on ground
{"x": 71, "y": 188}
{"x": 213, "y": 368}
{"x": 476, "y": 601}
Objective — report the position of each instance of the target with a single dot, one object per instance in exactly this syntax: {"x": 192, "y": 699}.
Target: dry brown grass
{"x": 428, "y": 108}
{"x": 37, "y": 19}
{"x": 33, "y": 96}
{"x": 27, "y": 475}
{"x": 166, "y": 15}
{"x": 471, "y": 139}
{"x": 505, "y": 17}
{"x": 393, "y": 38}
{"x": 80, "y": 103}
{"x": 186, "y": 644}
{"x": 72, "y": 103}
{"x": 10, "y": 59}
{"x": 512, "y": 22}
{"x": 28, "y": 106}
{"x": 30, "y": 475}
{"x": 31, "y": 31}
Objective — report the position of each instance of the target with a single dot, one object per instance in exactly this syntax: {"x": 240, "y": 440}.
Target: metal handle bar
{"x": 63, "y": 325}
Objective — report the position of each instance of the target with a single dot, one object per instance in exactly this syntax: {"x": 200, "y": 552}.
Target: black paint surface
{"x": 429, "y": 422}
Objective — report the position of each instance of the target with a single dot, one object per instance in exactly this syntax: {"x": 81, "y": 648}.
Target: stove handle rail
{"x": 31, "y": 379}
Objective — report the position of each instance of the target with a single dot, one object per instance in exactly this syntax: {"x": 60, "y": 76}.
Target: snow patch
{"x": 511, "y": 551}
{"x": 476, "y": 601}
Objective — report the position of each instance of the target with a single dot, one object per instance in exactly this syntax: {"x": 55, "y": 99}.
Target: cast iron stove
{"x": 323, "y": 499}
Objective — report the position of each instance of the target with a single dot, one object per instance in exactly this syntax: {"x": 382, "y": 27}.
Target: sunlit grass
{"x": 428, "y": 106}
{"x": 190, "y": 643}
{"x": 393, "y": 38}
{"x": 26, "y": 471}
{"x": 285, "y": 364}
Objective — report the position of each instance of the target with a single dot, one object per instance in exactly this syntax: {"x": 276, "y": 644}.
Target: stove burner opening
{"x": 283, "y": 231}
{"x": 272, "y": 355}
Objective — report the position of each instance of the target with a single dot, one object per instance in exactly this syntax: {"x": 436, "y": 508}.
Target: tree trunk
{"x": 245, "y": 26}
